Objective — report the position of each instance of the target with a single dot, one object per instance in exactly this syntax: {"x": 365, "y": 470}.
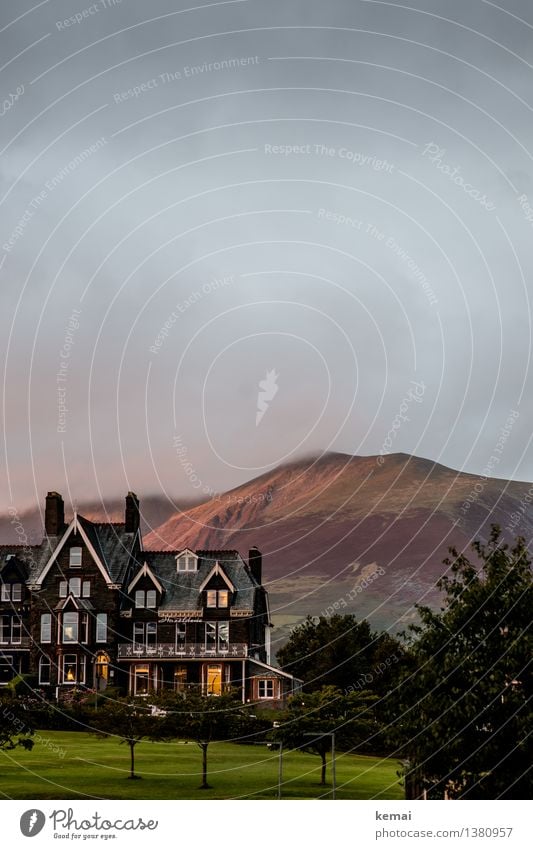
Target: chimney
{"x": 255, "y": 564}
{"x": 54, "y": 515}
{"x": 132, "y": 517}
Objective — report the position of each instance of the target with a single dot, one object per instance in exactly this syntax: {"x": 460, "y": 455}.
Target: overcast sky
{"x": 330, "y": 199}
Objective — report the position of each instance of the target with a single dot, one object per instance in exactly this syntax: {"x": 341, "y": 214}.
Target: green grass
{"x": 90, "y": 767}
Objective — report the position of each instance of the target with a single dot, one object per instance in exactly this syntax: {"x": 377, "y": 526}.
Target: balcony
{"x": 191, "y": 650}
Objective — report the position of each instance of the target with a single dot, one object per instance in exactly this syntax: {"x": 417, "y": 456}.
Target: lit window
{"x": 44, "y": 669}
{"x": 70, "y": 668}
{"x": 266, "y": 688}
{"x": 46, "y": 627}
{"x": 217, "y": 598}
{"x": 70, "y": 628}
{"x": 211, "y": 598}
{"x": 86, "y": 589}
{"x": 75, "y": 556}
{"x": 223, "y": 598}
{"x": 180, "y": 678}
{"x": 101, "y": 627}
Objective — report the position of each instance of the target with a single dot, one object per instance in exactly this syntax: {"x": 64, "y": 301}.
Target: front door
{"x": 214, "y": 679}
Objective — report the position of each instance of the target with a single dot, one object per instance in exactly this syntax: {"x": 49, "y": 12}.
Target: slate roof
{"x": 112, "y": 544}
{"x": 34, "y": 557}
{"x": 182, "y": 589}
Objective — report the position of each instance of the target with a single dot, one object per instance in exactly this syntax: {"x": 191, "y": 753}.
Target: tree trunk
{"x": 132, "y": 758}
{"x": 204, "y": 785}
{"x": 323, "y": 769}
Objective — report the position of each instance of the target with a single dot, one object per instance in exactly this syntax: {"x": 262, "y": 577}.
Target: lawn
{"x": 76, "y": 765}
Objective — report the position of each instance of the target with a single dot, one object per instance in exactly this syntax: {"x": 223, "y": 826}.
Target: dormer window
{"x": 187, "y": 561}
{"x": 75, "y": 556}
{"x": 217, "y": 598}
{"x": 146, "y": 598}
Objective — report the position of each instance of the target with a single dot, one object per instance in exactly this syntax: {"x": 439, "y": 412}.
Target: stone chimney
{"x": 54, "y": 515}
{"x": 132, "y": 516}
{"x": 255, "y": 564}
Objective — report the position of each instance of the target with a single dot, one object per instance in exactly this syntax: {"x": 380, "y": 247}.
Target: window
{"x": 101, "y": 627}
{"x": 187, "y": 563}
{"x": 84, "y": 630}
{"x": 180, "y": 678}
{"x": 11, "y": 592}
{"x": 83, "y": 666}
{"x": 102, "y": 670}
{"x": 216, "y": 636}
{"x": 214, "y": 680}
{"x": 16, "y": 630}
{"x": 70, "y": 628}
{"x": 217, "y": 598}
{"x": 5, "y": 629}
{"x": 46, "y": 628}
{"x": 10, "y": 629}
{"x": 146, "y": 599}
{"x": 70, "y": 669}
{"x": 142, "y": 680}
{"x": 44, "y": 669}
{"x": 266, "y": 688}
{"x": 86, "y": 589}
{"x": 75, "y": 556}
{"x": 144, "y": 635}
{"x": 73, "y": 587}
{"x": 181, "y": 636}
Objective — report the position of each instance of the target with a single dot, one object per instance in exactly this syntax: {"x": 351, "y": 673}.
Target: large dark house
{"x": 89, "y": 608}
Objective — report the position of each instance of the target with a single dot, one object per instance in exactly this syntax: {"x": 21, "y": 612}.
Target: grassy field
{"x": 84, "y": 766}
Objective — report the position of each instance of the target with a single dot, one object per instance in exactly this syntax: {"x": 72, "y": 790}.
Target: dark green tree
{"x": 341, "y": 652}
{"x": 309, "y": 716}
{"x": 464, "y": 715}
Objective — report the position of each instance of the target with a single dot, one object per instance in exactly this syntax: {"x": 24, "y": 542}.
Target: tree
{"x": 465, "y": 718}
{"x": 204, "y": 719}
{"x": 15, "y": 723}
{"x": 310, "y": 716}
{"x": 130, "y": 720}
{"x": 341, "y": 652}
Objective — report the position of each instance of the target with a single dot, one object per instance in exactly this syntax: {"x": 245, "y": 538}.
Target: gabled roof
{"x": 265, "y": 669}
{"x": 79, "y": 603}
{"x": 217, "y": 570}
{"x": 84, "y": 528}
{"x": 146, "y": 571}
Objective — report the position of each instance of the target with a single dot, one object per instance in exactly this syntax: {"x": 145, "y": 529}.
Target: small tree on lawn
{"x": 204, "y": 719}
{"x": 131, "y": 721}
{"x": 311, "y": 715}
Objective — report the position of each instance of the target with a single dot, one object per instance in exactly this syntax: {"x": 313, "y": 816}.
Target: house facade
{"x": 89, "y": 608}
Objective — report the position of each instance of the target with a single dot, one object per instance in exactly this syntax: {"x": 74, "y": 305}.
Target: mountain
{"x": 362, "y": 535}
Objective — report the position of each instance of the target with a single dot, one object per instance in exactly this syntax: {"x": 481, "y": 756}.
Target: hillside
{"x": 365, "y": 534}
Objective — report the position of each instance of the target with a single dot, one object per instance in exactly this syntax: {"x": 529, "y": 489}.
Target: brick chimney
{"x": 255, "y": 564}
{"x": 54, "y": 515}
{"x": 132, "y": 516}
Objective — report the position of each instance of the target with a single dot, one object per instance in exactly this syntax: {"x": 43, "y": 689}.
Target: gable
{"x": 145, "y": 572}
{"x": 74, "y": 529}
{"x": 216, "y": 571}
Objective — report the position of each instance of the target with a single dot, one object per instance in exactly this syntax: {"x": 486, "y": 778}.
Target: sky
{"x": 238, "y": 233}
